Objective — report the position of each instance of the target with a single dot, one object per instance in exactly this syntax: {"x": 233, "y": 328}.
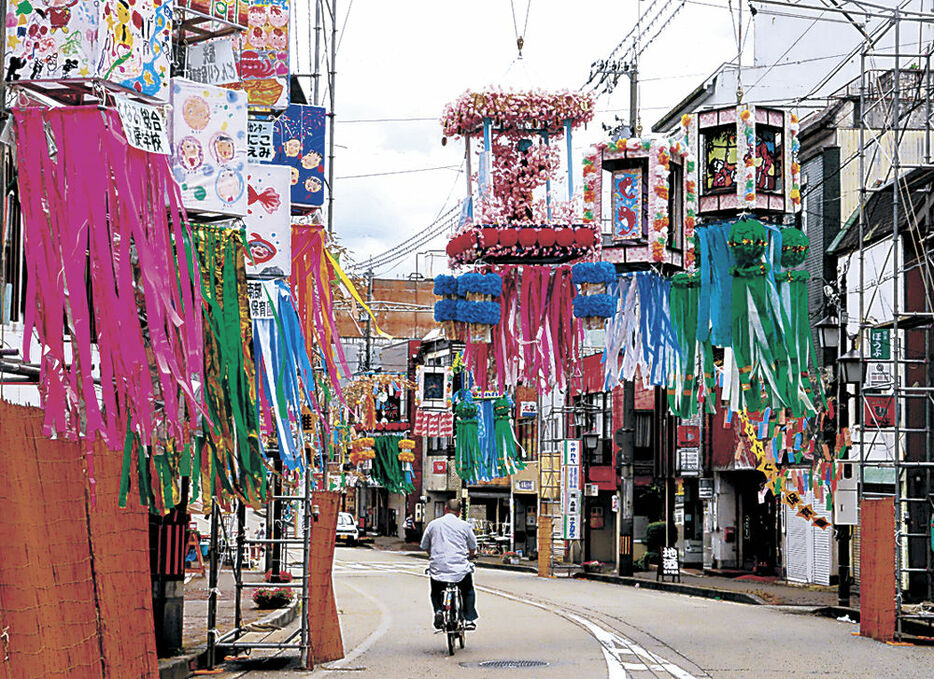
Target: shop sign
{"x": 525, "y": 485}
{"x": 144, "y": 126}
{"x": 880, "y": 344}
{"x": 878, "y": 375}
{"x": 689, "y": 461}
{"x": 879, "y": 411}
{"x": 259, "y": 294}
{"x": 669, "y": 567}
{"x": 528, "y": 409}
{"x": 571, "y": 490}
{"x": 439, "y": 467}
{"x": 259, "y": 141}
{"x": 705, "y": 489}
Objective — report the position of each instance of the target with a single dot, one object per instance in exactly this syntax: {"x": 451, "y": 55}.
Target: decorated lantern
{"x": 592, "y": 303}
{"x": 512, "y": 221}
{"x": 362, "y": 452}
{"x": 446, "y": 307}
{"x": 407, "y": 457}
{"x": 114, "y": 42}
{"x": 748, "y": 159}
{"x": 652, "y": 207}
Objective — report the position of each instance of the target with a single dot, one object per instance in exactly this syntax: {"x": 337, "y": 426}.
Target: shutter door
{"x": 796, "y": 546}
{"x": 823, "y": 546}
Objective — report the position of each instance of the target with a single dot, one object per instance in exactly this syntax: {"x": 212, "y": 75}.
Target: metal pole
{"x": 567, "y": 136}
{"x": 331, "y": 79}
{"x": 369, "y": 299}
{"x": 306, "y": 557}
{"x": 241, "y": 536}
{"x": 896, "y": 344}
{"x": 212, "y": 587}
{"x": 634, "y": 100}
{"x": 469, "y": 177}
{"x": 317, "y": 72}
{"x": 547, "y": 183}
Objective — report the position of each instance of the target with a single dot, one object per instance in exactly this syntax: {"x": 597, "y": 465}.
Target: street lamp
{"x": 852, "y": 367}
{"x": 828, "y": 332}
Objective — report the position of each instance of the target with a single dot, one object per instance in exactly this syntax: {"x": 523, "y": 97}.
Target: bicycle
{"x": 454, "y": 625}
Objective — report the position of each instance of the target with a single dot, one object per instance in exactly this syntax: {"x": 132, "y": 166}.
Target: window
{"x": 720, "y": 159}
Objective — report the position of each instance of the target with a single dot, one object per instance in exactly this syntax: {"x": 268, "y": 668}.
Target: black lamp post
{"x": 828, "y": 332}
{"x": 590, "y": 440}
{"x": 852, "y": 367}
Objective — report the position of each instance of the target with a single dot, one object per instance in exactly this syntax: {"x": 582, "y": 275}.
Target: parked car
{"x": 347, "y": 531}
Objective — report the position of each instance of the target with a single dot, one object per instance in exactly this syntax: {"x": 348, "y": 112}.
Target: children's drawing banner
{"x": 268, "y": 222}
{"x": 298, "y": 141}
{"x": 209, "y": 147}
{"x": 264, "y": 54}
{"x": 125, "y": 42}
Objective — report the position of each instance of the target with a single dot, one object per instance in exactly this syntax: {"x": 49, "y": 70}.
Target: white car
{"x": 347, "y": 531}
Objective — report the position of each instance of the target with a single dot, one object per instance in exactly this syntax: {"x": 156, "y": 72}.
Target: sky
{"x": 406, "y": 58}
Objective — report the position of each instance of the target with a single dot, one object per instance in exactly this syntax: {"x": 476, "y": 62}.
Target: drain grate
{"x": 511, "y": 664}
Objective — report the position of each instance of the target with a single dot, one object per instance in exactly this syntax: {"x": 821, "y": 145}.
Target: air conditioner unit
{"x": 591, "y": 489}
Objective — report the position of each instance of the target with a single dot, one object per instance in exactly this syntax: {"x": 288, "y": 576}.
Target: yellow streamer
{"x": 356, "y": 295}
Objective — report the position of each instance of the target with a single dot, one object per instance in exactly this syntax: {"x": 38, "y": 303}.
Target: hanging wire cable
{"x": 520, "y": 37}
{"x": 388, "y": 254}
{"x": 395, "y": 172}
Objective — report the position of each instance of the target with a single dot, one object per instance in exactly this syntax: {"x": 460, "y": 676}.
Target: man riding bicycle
{"x": 451, "y": 544}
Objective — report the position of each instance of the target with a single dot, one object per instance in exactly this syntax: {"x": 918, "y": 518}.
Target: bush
{"x": 272, "y": 598}
{"x": 648, "y": 560}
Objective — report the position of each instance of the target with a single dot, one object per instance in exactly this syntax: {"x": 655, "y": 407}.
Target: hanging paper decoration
{"x": 507, "y": 457}
{"x": 232, "y": 11}
{"x": 96, "y": 217}
{"x": 284, "y": 371}
{"x": 407, "y": 458}
{"x": 122, "y": 42}
{"x": 387, "y": 469}
{"x": 298, "y": 142}
{"x": 232, "y": 429}
{"x": 466, "y": 440}
{"x": 537, "y": 327}
{"x": 477, "y": 309}
{"x": 209, "y": 147}
{"x": 268, "y": 222}
{"x": 432, "y": 423}
{"x": 362, "y": 451}
{"x": 691, "y": 376}
{"x": 640, "y": 335}
{"x": 264, "y": 54}
{"x": 446, "y": 308}
{"x": 593, "y": 303}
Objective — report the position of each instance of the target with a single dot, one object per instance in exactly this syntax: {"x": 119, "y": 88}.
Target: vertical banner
{"x": 268, "y": 222}
{"x": 571, "y": 490}
{"x": 298, "y": 141}
{"x": 264, "y": 54}
{"x": 125, "y": 42}
{"x": 209, "y": 147}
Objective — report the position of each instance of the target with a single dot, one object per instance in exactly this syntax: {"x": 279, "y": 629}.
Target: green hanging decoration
{"x": 508, "y": 461}
{"x": 684, "y": 388}
{"x": 387, "y": 470}
{"x": 466, "y": 440}
{"x": 758, "y": 341}
{"x": 793, "y": 291}
{"x": 231, "y": 434}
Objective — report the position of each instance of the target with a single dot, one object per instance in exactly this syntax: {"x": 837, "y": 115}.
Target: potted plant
{"x": 593, "y": 566}
{"x": 284, "y": 576}
{"x": 272, "y": 598}
{"x": 511, "y": 558}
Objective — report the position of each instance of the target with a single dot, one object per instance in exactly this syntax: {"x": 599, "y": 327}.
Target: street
{"x": 578, "y": 628}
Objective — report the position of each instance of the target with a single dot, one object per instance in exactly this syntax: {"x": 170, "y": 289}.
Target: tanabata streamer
{"x": 387, "y": 470}
{"x": 117, "y": 271}
{"x": 466, "y": 440}
{"x": 284, "y": 370}
{"x": 232, "y": 427}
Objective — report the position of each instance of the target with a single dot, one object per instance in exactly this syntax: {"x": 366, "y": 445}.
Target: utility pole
{"x": 369, "y": 300}
{"x": 317, "y": 73}
{"x": 331, "y": 77}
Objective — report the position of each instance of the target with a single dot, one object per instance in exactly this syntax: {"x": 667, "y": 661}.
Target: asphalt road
{"x": 581, "y": 629}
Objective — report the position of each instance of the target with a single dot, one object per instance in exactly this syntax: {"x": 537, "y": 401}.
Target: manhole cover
{"x": 511, "y": 664}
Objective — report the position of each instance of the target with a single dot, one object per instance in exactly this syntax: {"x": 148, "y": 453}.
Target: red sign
{"x": 688, "y": 436}
{"x": 879, "y": 411}
{"x": 439, "y": 467}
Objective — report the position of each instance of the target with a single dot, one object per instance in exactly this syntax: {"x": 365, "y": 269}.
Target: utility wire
{"x": 395, "y": 172}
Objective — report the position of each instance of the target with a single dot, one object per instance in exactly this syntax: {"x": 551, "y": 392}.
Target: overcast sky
{"x": 407, "y": 58}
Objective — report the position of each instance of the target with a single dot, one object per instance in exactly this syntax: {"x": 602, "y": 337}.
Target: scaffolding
{"x": 895, "y": 325}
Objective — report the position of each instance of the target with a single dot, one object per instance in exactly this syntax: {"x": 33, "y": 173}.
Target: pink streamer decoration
{"x": 83, "y": 208}
{"x": 538, "y": 338}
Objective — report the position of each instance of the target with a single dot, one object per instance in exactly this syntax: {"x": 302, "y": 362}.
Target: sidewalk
{"x": 195, "y": 620}
{"x": 749, "y": 589}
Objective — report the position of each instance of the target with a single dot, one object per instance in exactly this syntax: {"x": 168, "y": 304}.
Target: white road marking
{"x": 385, "y": 622}
{"x": 614, "y": 646}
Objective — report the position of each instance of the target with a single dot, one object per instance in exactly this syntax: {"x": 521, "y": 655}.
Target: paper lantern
{"x": 268, "y": 221}
{"x": 546, "y": 237}
{"x": 209, "y": 147}
{"x": 584, "y": 238}
{"x": 127, "y": 44}
{"x": 298, "y": 142}
{"x": 527, "y": 237}
{"x": 508, "y": 237}
{"x": 489, "y": 237}
{"x": 564, "y": 237}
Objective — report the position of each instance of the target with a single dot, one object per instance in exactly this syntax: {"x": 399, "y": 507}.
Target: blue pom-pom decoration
{"x": 480, "y": 283}
{"x": 590, "y": 306}
{"x": 446, "y": 309}
{"x": 486, "y": 313}
{"x": 445, "y": 286}
{"x": 593, "y": 272}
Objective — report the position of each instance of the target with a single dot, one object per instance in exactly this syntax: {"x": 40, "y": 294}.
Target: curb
{"x": 478, "y": 564}
{"x": 182, "y": 666}
{"x": 677, "y": 588}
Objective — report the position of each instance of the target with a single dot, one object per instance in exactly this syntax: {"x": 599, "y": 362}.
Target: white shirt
{"x": 448, "y": 540}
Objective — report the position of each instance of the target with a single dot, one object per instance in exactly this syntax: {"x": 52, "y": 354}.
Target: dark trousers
{"x": 468, "y": 594}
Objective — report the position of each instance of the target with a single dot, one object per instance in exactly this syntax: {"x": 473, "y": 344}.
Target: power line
{"x": 394, "y": 172}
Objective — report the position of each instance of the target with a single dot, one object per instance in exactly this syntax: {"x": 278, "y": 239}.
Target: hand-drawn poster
{"x": 125, "y": 42}
{"x": 209, "y": 147}
{"x": 268, "y": 221}
{"x": 264, "y": 54}
{"x": 627, "y": 204}
{"x": 233, "y": 11}
{"x": 298, "y": 141}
